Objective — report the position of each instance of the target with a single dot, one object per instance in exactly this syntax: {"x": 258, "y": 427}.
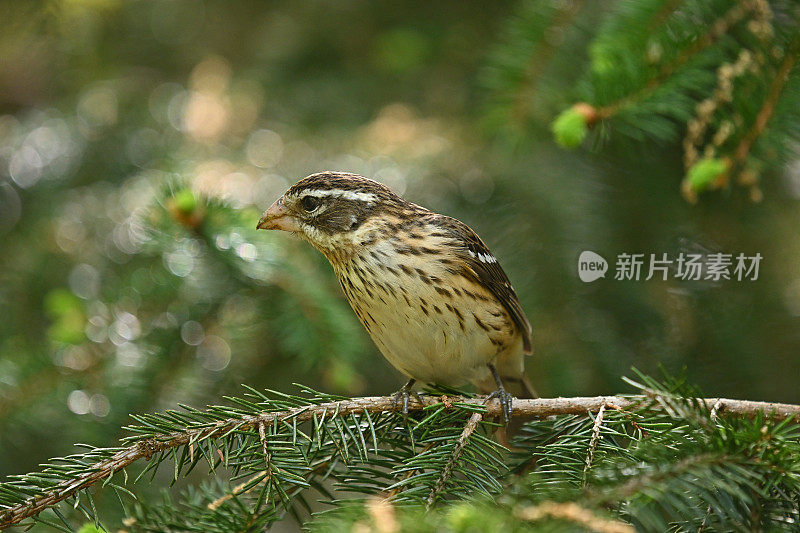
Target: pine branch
{"x": 717, "y": 29}
{"x": 100, "y": 465}
{"x": 726, "y": 70}
{"x": 766, "y": 110}
{"x": 469, "y": 429}
{"x": 598, "y": 425}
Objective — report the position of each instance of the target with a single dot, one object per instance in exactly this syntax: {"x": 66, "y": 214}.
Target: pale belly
{"x": 430, "y": 347}
{"x": 434, "y": 332}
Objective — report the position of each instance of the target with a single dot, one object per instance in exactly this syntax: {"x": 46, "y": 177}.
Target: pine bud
{"x": 571, "y": 126}
{"x": 186, "y": 208}
{"x": 705, "y": 173}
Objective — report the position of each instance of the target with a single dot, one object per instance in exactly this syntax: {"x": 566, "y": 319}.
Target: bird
{"x": 431, "y": 295}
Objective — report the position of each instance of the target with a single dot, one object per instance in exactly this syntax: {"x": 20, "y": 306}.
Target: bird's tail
{"x": 518, "y": 386}
{"x": 527, "y": 388}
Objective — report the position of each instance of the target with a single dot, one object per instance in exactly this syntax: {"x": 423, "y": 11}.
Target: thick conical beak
{"x": 276, "y": 217}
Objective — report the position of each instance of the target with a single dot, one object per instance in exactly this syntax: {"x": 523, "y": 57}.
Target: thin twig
{"x": 239, "y": 489}
{"x": 715, "y": 410}
{"x": 716, "y": 30}
{"x": 539, "y": 407}
{"x": 765, "y": 113}
{"x": 705, "y": 520}
{"x": 262, "y": 434}
{"x": 598, "y": 424}
{"x": 469, "y": 429}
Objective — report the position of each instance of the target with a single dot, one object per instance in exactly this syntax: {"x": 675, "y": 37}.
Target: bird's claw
{"x": 505, "y": 402}
{"x": 404, "y": 394}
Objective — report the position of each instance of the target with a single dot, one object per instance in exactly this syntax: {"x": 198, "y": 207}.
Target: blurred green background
{"x": 139, "y": 142}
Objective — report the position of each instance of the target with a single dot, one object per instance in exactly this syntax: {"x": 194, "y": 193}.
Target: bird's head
{"x": 327, "y": 209}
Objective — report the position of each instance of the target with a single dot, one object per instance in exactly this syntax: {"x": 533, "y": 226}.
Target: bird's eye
{"x": 310, "y": 203}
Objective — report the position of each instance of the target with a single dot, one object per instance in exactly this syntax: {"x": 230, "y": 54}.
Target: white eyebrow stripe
{"x": 367, "y": 197}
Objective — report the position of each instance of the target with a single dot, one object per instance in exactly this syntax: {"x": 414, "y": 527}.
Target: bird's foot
{"x": 505, "y": 401}
{"x": 501, "y": 394}
{"x": 404, "y": 394}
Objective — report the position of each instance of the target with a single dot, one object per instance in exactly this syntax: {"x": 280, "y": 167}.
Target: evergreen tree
{"x": 717, "y": 77}
{"x": 661, "y": 460}
{"x": 156, "y": 286}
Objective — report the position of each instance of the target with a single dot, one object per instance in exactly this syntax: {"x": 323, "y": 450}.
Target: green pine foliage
{"x": 666, "y": 466}
{"x": 717, "y": 78}
{"x": 667, "y": 462}
{"x": 338, "y": 458}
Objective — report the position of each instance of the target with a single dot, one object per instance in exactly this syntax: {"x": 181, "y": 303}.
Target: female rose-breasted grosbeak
{"x": 432, "y": 297}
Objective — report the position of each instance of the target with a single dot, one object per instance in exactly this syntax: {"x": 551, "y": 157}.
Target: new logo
{"x": 591, "y": 266}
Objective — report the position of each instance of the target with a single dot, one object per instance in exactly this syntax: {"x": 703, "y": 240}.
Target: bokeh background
{"x": 139, "y": 141}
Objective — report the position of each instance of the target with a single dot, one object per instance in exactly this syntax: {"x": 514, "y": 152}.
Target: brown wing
{"x": 478, "y": 262}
